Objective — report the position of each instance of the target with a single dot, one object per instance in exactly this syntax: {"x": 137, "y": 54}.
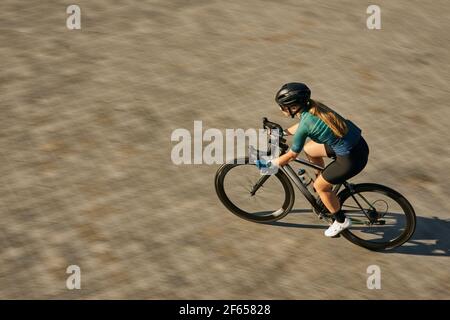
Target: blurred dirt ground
{"x": 87, "y": 117}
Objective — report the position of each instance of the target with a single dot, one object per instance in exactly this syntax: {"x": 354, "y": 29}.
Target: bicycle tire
{"x": 399, "y": 199}
{"x": 277, "y": 215}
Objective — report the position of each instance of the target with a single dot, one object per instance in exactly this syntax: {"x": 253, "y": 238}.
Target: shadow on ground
{"x": 429, "y": 239}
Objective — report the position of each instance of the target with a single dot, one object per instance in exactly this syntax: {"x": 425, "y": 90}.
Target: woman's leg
{"x": 340, "y": 170}
{"x": 328, "y": 197}
{"x": 315, "y": 153}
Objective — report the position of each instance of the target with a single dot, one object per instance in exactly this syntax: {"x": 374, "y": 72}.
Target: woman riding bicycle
{"x": 331, "y": 136}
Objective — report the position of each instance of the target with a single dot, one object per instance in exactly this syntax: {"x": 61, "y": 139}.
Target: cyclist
{"x": 331, "y": 136}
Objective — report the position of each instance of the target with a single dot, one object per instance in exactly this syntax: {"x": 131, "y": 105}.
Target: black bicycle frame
{"x": 299, "y": 184}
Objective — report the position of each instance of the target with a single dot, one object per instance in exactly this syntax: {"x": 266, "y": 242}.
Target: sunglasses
{"x": 286, "y": 108}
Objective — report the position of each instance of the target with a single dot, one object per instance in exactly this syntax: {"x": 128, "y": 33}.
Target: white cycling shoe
{"x": 337, "y": 227}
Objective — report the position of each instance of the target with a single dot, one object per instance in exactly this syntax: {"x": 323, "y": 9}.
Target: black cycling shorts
{"x": 347, "y": 166}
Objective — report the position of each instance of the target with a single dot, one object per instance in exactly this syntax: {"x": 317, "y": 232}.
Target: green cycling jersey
{"x": 317, "y": 130}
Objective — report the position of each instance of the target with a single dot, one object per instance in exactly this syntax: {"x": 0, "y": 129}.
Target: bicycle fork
{"x": 259, "y": 184}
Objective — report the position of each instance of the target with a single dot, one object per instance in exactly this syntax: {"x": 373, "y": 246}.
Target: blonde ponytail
{"x": 332, "y": 119}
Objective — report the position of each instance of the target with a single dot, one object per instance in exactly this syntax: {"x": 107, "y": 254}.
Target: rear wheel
{"x": 381, "y": 217}
{"x": 252, "y": 196}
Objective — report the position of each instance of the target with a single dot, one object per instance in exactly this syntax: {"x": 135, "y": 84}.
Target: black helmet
{"x": 293, "y": 94}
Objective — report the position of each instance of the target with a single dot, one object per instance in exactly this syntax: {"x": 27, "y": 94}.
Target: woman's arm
{"x": 284, "y": 159}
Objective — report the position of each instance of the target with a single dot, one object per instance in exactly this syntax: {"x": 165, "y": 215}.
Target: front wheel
{"x": 252, "y": 196}
{"x": 381, "y": 217}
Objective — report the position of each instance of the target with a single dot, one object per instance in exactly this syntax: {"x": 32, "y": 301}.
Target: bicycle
{"x": 371, "y": 207}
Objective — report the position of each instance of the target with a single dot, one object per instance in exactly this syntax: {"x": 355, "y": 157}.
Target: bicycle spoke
{"x": 354, "y": 207}
{"x": 370, "y": 205}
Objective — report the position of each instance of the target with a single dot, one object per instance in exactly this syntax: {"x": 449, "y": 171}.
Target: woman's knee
{"x": 321, "y": 185}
